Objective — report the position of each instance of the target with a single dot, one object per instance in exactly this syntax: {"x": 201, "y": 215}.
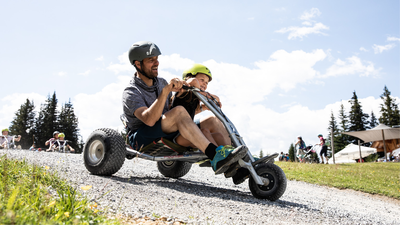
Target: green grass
{"x": 373, "y": 178}
{"x": 31, "y": 195}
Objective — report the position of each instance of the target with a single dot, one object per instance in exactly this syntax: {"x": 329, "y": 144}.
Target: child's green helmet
{"x": 5, "y": 129}
{"x": 197, "y": 68}
{"x": 61, "y": 135}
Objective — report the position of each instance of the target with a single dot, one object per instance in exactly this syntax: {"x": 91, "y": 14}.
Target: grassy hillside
{"x": 375, "y": 178}
{"x": 31, "y": 195}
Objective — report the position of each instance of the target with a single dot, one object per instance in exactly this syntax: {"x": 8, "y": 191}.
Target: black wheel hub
{"x": 271, "y": 183}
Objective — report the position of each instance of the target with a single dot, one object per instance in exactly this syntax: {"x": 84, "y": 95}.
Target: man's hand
{"x": 176, "y": 84}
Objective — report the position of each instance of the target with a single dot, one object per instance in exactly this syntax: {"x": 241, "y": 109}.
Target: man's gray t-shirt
{"x": 137, "y": 94}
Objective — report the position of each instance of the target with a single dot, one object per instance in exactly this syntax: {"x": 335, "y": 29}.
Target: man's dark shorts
{"x": 324, "y": 151}
{"x": 145, "y": 135}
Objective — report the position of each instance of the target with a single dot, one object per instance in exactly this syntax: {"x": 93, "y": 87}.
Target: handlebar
{"x": 208, "y": 95}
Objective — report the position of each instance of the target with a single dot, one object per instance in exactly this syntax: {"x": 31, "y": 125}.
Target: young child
{"x": 302, "y": 147}
{"x": 5, "y": 139}
{"x": 198, "y": 76}
{"x": 61, "y": 140}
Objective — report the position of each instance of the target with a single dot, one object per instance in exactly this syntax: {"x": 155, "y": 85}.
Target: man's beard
{"x": 150, "y": 73}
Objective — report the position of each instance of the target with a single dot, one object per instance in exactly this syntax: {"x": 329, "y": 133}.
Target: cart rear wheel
{"x": 104, "y": 152}
{"x": 174, "y": 169}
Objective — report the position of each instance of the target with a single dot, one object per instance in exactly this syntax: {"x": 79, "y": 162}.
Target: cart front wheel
{"x": 276, "y": 184}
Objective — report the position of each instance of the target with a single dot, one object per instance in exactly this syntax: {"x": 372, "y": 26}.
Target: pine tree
{"x": 68, "y": 124}
{"x": 342, "y": 140}
{"x": 373, "y": 122}
{"x": 261, "y": 154}
{"x": 291, "y": 152}
{"x": 23, "y": 124}
{"x": 332, "y": 126}
{"x": 358, "y": 119}
{"x": 336, "y": 132}
{"x": 390, "y": 114}
{"x": 46, "y": 123}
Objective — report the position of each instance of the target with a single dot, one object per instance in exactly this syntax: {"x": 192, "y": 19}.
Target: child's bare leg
{"x": 219, "y": 139}
{"x": 180, "y": 140}
{"x": 209, "y": 136}
{"x": 215, "y": 138}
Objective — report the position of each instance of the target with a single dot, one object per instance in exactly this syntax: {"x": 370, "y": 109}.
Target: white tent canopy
{"x": 377, "y": 133}
{"x": 396, "y": 152}
{"x": 352, "y": 152}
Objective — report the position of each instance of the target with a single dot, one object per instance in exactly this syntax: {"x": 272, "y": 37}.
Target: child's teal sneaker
{"x": 225, "y": 156}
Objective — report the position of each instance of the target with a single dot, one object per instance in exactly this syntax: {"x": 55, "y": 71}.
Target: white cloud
{"x": 281, "y": 9}
{"x": 300, "y": 32}
{"x": 101, "y": 58}
{"x": 363, "y": 49}
{"x": 307, "y": 23}
{"x": 351, "y": 66}
{"x": 381, "y": 48}
{"x": 62, "y": 74}
{"x": 101, "y": 109}
{"x": 393, "y": 39}
{"x": 123, "y": 66}
{"x": 310, "y": 26}
{"x": 174, "y": 62}
{"x": 308, "y": 15}
{"x": 251, "y": 18}
{"x": 86, "y": 73}
{"x": 9, "y": 104}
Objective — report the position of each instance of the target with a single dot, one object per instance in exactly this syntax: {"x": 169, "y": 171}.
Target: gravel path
{"x": 200, "y": 197}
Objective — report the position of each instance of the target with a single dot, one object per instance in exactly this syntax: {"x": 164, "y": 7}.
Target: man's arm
{"x": 48, "y": 141}
{"x": 18, "y": 138}
{"x": 151, "y": 115}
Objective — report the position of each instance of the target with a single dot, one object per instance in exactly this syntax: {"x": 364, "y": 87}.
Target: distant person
{"x": 51, "y": 141}
{"x": 302, "y": 147}
{"x": 281, "y": 157}
{"x": 33, "y": 148}
{"x": 63, "y": 142}
{"x": 397, "y": 158}
{"x": 287, "y": 157}
{"x": 5, "y": 139}
{"x": 324, "y": 149}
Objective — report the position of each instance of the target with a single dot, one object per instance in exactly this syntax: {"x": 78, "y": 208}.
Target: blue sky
{"x": 280, "y": 67}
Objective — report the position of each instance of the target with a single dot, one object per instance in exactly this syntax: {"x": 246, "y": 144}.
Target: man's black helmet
{"x": 141, "y": 50}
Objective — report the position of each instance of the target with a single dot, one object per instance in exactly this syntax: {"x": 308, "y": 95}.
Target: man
{"x": 146, "y": 107}
{"x": 5, "y": 139}
{"x": 51, "y": 141}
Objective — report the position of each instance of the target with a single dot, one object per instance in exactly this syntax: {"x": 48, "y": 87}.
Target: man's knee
{"x": 210, "y": 123}
{"x": 178, "y": 112}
